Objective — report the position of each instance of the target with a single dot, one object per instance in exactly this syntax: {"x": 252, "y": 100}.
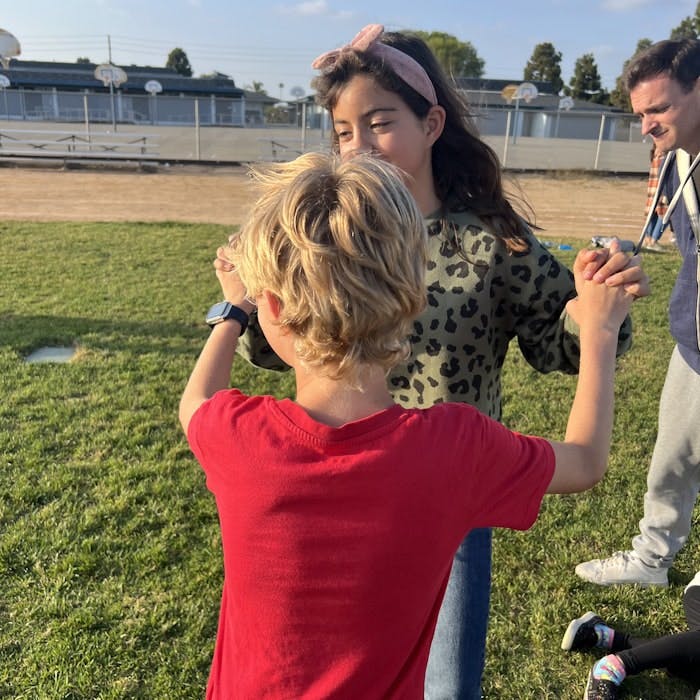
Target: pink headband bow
{"x": 368, "y": 41}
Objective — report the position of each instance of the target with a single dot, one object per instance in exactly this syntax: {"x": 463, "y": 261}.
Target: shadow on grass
{"x": 25, "y": 333}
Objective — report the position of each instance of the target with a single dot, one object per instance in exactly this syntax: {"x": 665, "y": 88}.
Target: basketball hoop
{"x": 526, "y": 91}
{"x": 110, "y": 74}
{"x": 566, "y": 103}
{"x": 9, "y": 48}
{"x": 508, "y": 92}
{"x": 153, "y": 87}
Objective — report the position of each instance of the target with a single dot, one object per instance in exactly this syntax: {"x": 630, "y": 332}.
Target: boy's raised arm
{"x": 212, "y": 372}
{"x": 599, "y": 309}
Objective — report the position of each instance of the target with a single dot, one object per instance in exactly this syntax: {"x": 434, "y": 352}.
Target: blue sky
{"x": 275, "y": 42}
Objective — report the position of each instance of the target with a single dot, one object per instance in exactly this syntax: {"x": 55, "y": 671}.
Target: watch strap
{"x": 234, "y": 312}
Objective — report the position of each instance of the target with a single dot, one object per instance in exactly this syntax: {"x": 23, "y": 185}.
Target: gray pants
{"x": 673, "y": 480}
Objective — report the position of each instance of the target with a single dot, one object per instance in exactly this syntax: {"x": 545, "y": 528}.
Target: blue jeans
{"x": 456, "y": 660}
{"x": 655, "y": 228}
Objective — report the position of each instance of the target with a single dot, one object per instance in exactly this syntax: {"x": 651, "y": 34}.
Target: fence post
{"x": 196, "y": 126}
{"x": 303, "y": 127}
{"x": 600, "y": 138}
{"x": 505, "y": 143}
{"x": 87, "y": 119}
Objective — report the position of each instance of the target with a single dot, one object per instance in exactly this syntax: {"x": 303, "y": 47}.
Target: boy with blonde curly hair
{"x": 341, "y": 511}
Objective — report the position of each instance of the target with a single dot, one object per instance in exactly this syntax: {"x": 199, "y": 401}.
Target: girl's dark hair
{"x": 680, "y": 60}
{"x": 466, "y": 170}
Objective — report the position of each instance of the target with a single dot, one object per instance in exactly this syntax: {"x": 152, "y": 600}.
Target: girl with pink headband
{"x": 368, "y": 41}
{"x": 489, "y": 281}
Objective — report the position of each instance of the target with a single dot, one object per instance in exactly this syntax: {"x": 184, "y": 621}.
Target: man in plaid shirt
{"x": 651, "y": 242}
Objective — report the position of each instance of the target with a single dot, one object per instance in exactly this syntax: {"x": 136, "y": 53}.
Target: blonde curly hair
{"x": 342, "y": 245}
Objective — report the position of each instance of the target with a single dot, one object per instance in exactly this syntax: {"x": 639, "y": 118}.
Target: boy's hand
{"x": 613, "y": 268}
{"x": 230, "y": 282}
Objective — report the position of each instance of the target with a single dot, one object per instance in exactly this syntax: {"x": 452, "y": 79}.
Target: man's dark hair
{"x": 679, "y": 60}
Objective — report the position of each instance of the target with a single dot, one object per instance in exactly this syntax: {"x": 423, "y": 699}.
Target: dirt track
{"x": 565, "y": 205}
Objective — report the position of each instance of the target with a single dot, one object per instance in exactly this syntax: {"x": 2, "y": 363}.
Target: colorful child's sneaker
{"x": 581, "y": 634}
{"x": 598, "y": 689}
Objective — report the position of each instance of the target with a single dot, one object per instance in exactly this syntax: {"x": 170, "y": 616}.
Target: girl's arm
{"x": 547, "y": 335}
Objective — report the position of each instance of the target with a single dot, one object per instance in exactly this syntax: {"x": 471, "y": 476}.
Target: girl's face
{"x": 367, "y": 118}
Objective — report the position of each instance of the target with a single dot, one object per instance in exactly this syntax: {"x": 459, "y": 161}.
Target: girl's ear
{"x": 435, "y": 122}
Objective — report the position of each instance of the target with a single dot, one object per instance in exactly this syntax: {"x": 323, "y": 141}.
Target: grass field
{"x": 110, "y": 563}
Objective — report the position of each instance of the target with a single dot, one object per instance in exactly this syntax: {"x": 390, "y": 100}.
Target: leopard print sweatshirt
{"x": 480, "y": 297}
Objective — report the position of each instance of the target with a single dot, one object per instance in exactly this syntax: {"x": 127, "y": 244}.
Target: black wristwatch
{"x": 223, "y": 311}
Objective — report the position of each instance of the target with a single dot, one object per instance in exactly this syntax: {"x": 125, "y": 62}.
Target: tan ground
{"x": 564, "y": 204}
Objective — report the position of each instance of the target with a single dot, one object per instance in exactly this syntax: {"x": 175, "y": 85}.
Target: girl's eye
{"x": 343, "y": 134}
{"x": 378, "y": 125}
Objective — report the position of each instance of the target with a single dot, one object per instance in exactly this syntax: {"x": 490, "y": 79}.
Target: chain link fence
{"x": 185, "y": 128}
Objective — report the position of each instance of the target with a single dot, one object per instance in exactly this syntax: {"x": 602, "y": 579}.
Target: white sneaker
{"x": 620, "y": 568}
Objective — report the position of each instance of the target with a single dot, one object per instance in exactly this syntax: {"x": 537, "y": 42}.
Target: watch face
{"x": 216, "y": 313}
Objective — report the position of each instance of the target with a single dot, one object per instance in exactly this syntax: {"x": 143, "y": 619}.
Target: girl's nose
{"x": 359, "y": 147}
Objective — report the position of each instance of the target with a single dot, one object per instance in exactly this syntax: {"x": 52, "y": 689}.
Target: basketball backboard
{"x": 9, "y": 47}
{"x": 110, "y": 74}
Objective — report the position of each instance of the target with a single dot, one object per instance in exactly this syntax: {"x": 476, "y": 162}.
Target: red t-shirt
{"x": 338, "y": 542}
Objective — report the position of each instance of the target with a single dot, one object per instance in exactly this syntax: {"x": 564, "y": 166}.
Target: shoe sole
{"x": 574, "y": 626}
{"x": 694, "y": 582}
{"x": 641, "y": 584}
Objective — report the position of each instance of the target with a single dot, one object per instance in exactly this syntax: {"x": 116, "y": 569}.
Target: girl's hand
{"x": 612, "y": 267}
{"x": 599, "y": 303}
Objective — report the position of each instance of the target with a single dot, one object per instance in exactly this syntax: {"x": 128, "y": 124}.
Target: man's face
{"x": 669, "y": 115}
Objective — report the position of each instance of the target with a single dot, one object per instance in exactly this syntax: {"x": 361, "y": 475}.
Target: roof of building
{"x": 494, "y": 100}
{"x": 81, "y": 76}
{"x": 487, "y": 92}
{"x": 480, "y": 92}
{"x": 497, "y": 84}
{"x": 251, "y": 96}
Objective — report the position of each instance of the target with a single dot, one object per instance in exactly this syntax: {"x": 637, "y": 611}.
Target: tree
{"x": 215, "y": 75}
{"x": 458, "y": 58}
{"x": 689, "y": 28}
{"x": 685, "y": 30}
{"x": 545, "y": 65}
{"x": 256, "y": 86}
{"x": 178, "y": 61}
{"x": 585, "y": 83}
{"x": 83, "y": 59}
{"x": 276, "y": 114}
{"x": 619, "y": 97}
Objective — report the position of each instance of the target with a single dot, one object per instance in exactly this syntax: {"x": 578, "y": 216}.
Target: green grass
{"x": 110, "y": 562}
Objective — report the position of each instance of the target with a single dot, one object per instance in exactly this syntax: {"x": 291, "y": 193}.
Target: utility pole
{"x": 111, "y": 82}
